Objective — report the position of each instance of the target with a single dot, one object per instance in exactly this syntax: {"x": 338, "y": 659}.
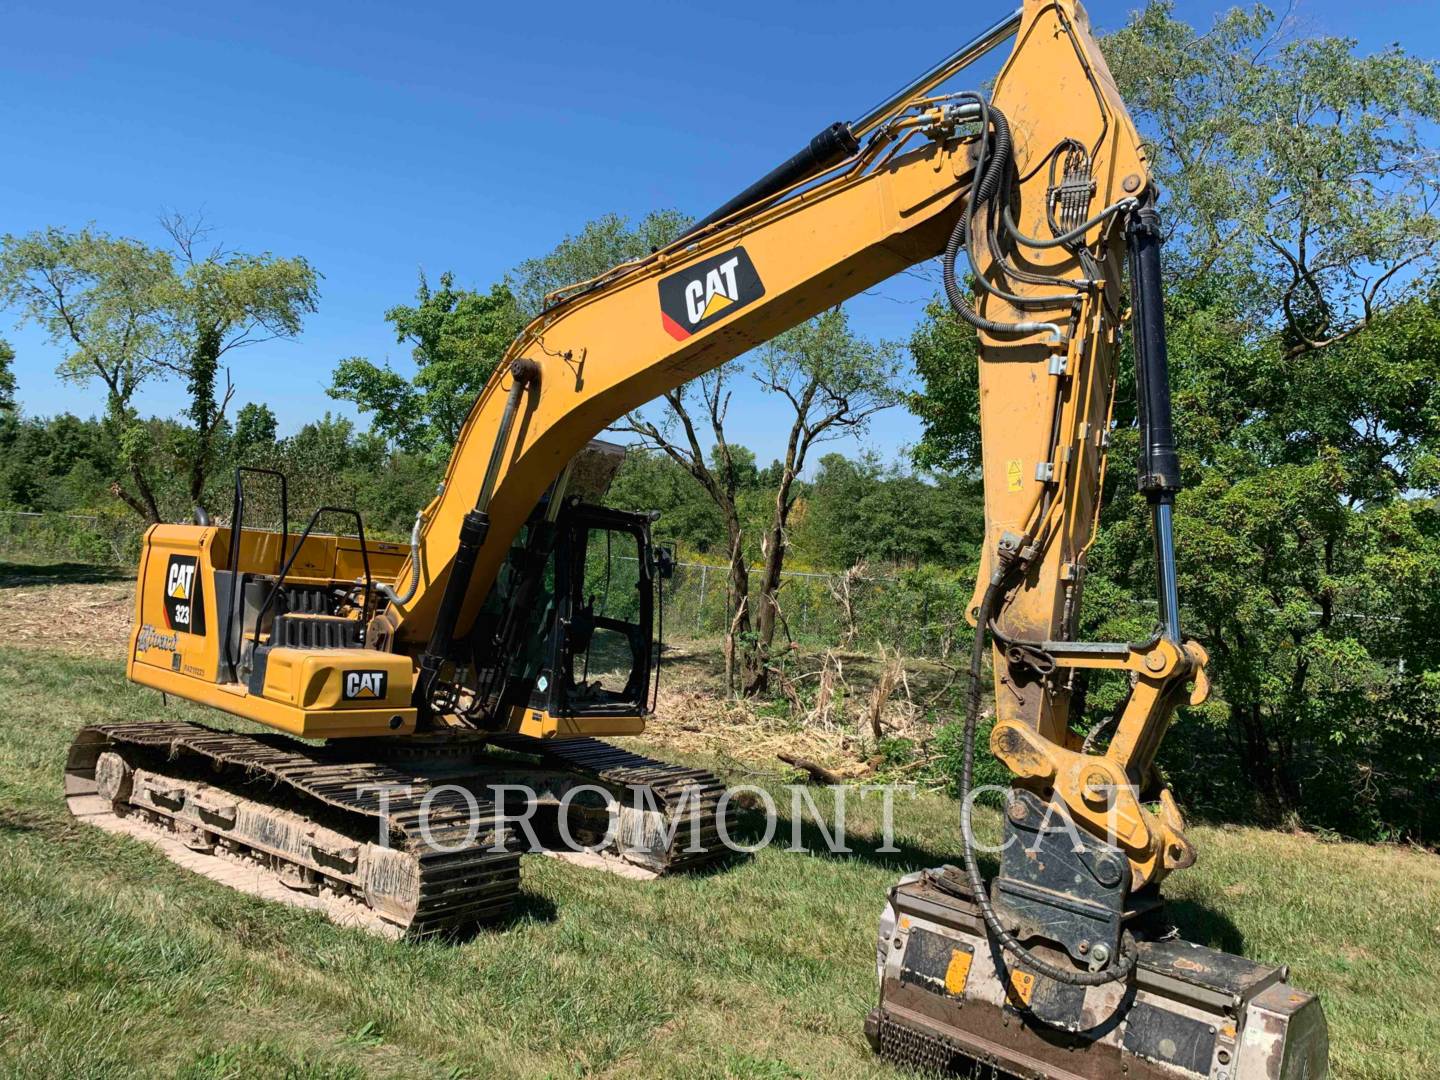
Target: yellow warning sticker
{"x": 1014, "y": 474}
{"x": 1022, "y": 986}
{"x": 958, "y": 971}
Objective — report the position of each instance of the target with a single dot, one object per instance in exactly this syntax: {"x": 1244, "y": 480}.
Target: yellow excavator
{"x": 412, "y": 692}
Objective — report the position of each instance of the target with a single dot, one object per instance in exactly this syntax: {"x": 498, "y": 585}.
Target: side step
{"x": 949, "y": 1001}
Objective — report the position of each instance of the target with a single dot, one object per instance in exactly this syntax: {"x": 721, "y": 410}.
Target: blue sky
{"x": 379, "y": 139}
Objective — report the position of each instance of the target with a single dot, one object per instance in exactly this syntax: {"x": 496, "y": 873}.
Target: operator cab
{"x": 566, "y": 641}
{"x": 600, "y": 650}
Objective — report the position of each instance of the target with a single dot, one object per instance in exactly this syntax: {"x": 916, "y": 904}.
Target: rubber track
{"x": 618, "y": 768}
{"x": 459, "y": 884}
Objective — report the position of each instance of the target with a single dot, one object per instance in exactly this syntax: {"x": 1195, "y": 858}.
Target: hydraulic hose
{"x": 1000, "y": 170}
{"x": 388, "y": 591}
{"x": 1124, "y": 205}
{"x": 1125, "y": 963}
{"x": 990, "y": 167}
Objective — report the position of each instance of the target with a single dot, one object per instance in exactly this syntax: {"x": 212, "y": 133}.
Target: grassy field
{"x": 115, "y": 962}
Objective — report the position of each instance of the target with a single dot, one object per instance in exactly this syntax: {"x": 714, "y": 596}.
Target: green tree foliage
{"x": 945, "y": 353}
{"x": 58, "y": 464}
{"x": 1309, "y": 538}
{"x": 99, "y": 298}
{"x": 255, "y": 434}
{"x": 458, "y": 337}
{"x": 1297, "y": 169}
{"x": 127, "y": 314}
{"x": 215, "y": 301}
{"x": 652, "y": 481}
{"x": 859, "y": 511}
{"x": 1305, "y": 322}
{"x": 7, "y": 377}
{"x": 601, "y": 245}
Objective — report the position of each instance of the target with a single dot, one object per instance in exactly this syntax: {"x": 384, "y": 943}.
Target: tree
{"x": 99, "y": 298}
{"x": 858, "y": 510}
{"x": 834, "y": 383}
{"x": 7, "y": 377}
{"x": 217, "y": 301}
{"x": 1309, "y": 536}
{"x": 946, "y": 354}
{"x": 127, "y": 313}
{"x": 255, "y": 433}
{"x": 458, "y": 337}
{"x": 652, "y": 481}
{"x": 1296, "y": 169}
{"x": 600, "y": 246}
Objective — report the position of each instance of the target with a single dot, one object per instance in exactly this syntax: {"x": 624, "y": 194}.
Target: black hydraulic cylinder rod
{"x": 1159, "y": 477}
{"x": 1159, "y": 465}
{"x": 830, "y": 147}
{"x": 473, "y": 531}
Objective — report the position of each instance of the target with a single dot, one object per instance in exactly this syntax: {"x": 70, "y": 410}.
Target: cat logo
{"x": 697, "y": 296}
{"x": 184, "y": 599}
{"x": 365, "y": 685}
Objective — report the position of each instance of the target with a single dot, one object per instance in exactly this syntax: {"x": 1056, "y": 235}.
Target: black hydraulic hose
{"x": 990, "y": 165}
{"x": 1125, "y": 963}
{"x": 982, "y": 195}
{"x": 961, "y": 306}
{"x": 1074, "y": 234}
{"x": 1010, "y": 270}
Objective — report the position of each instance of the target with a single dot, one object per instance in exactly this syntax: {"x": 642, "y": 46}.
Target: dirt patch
{"x": 81, "y": 619}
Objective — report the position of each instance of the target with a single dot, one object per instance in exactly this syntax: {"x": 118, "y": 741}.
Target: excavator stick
{"x": 1064, "y": 966}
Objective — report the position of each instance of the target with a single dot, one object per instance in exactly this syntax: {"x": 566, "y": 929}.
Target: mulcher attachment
{"x": 949, "y": 1002}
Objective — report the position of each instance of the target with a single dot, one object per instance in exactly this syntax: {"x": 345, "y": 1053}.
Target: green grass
{"x": 113, "y": 961}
